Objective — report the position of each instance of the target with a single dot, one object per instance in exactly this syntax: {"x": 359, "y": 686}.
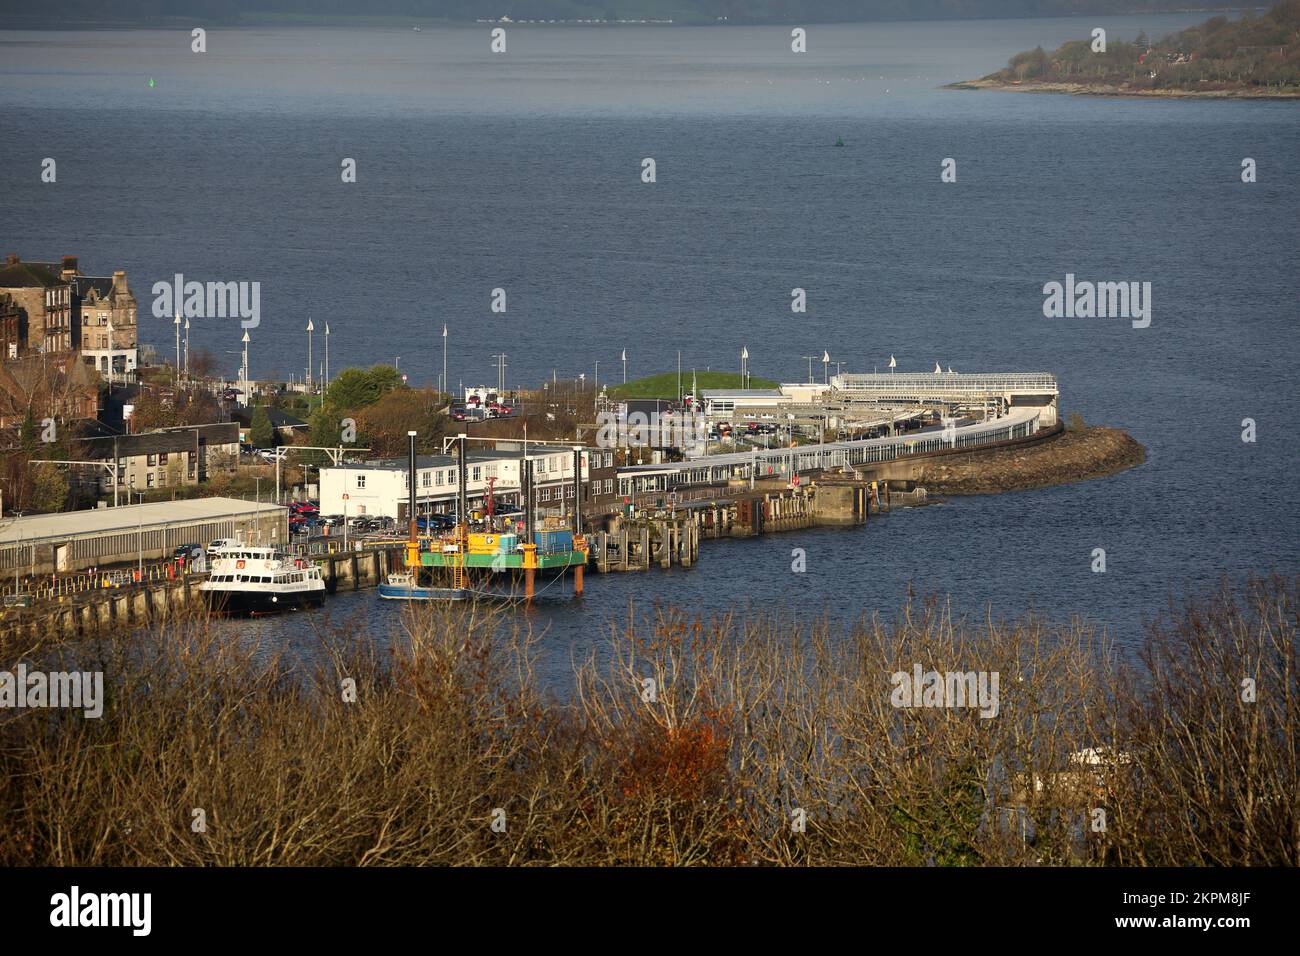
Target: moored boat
{"x": 402, "y": 586}
{"x": 257, "y": 580}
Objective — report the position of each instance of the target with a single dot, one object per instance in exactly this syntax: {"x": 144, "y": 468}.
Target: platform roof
{"x": 67, "y": 525}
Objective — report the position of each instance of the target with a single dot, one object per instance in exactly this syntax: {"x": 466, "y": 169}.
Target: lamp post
{"x": 744, "y": 364}
{"x": 826, "y": 366}
{"x": 446, "y": 385}
{"x": 810, "y": 361}
{"x": 177, "y": 323}
{"x": 345, "y": 521}
{"x": 625, "y": 366}
{"x": 327, "y": 355}
{"x": 310, "y": 328}
{"x": 244, "y": 371}
{"x": 139, "y": 537}
{"x": 187, "y": 348}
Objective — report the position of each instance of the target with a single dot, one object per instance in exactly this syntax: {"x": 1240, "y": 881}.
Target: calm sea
{"x": 522, "y": 171}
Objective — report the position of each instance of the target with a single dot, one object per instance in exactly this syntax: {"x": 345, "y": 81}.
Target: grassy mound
{"x": 665, "y": 385}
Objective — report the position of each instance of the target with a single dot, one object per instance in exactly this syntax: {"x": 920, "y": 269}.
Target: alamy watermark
{"x": 642, "y": 430}
{"x": 75, "y": 908}
{"x": 209, "y": 300}
{"x": 1101, "y": 300}
{"x": 946, "y": 689}
{"x": 20, "y": 689}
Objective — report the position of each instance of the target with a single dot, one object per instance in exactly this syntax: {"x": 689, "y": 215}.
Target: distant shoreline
{"x": 264, "y": 20}
{"x": 1104, "y": 89}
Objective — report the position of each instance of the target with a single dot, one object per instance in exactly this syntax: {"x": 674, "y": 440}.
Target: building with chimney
{"x": 67, "y": 311}
{"x": 13, "y": 328}
{"x": 45, "y": 299}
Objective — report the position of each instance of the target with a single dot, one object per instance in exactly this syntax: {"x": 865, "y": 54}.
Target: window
{"x": 545, "y": 494}
{"x": 424, "y": 479}
{"x": 162, "y": 458}
{"x": 148, "y": 480}
{"x": 437, "y": 477}
{"x": 361, "y": 481}
{"x": 153, "y": 461}
{"x": 477, "y": 475}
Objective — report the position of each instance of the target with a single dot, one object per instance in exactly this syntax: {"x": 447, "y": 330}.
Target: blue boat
{"x": 401, "y": 586}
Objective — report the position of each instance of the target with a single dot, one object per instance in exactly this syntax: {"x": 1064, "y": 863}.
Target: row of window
{"x": 440, "y": 478}
{"x": 89, "y": 319}
{"x": 296, "y": 578}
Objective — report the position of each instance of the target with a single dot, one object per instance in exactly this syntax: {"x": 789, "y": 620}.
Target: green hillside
{"x": 1254, "y": 54}
{"x": 665, "y": 385}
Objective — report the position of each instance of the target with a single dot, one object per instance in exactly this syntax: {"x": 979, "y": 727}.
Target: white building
{"x": 721, "y": 404}
{"x": 381, "y": 487}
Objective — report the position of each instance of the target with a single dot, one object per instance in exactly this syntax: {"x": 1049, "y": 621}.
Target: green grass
{"x": 665, "y": 385}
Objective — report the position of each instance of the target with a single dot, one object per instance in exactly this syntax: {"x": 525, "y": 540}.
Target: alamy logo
{"x": 103, "y": 909}
{"x": 1102, "y": 300}
{"x": 209, "y": 300}
{"x": 20, "y": 689}
{"x": 639, "y": 430}
{"x": 946, "y": 689}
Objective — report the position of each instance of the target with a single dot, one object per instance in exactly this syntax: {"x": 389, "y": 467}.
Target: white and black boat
{"x": 251, "y": 580}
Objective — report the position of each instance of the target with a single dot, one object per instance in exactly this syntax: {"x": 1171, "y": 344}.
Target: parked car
{"x": 270, "y": 454}
{"x": 220, "y": 544}
{"x": 189, "y": 552}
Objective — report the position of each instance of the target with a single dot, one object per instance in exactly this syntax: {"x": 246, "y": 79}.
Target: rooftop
{"x": 716, "y": 393}
{"x": 27, "y": 275}
{"x": 96, "y": 521}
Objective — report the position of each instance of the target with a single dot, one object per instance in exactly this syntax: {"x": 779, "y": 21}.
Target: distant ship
{"x": 416, "y": 29}
{"x": 253, "y": 580}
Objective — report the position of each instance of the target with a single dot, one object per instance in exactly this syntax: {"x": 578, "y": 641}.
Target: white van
{"x": 220, "y": 545}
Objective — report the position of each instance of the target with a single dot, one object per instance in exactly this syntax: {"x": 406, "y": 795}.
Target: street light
{"x": 310, "y": 328}
{"x": 139, "y": 537}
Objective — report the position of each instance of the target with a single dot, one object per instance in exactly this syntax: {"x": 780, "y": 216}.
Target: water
{"x": 522, "y": 172}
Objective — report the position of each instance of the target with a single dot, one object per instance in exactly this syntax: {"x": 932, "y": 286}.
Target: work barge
{"x": 449, "y": 560}
{"x": 665, "y": 535}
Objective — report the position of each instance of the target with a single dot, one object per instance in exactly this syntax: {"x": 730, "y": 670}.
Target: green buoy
{"x": 839, "y": 140}
{"x": 151, "y": 82}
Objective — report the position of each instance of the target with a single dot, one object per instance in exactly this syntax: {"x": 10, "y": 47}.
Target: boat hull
{"x": 262, "y": 602}
{"x": 408, "y": 592}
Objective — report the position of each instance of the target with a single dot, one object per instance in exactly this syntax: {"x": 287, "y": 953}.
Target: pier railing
{"x": 786, "y": 462}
